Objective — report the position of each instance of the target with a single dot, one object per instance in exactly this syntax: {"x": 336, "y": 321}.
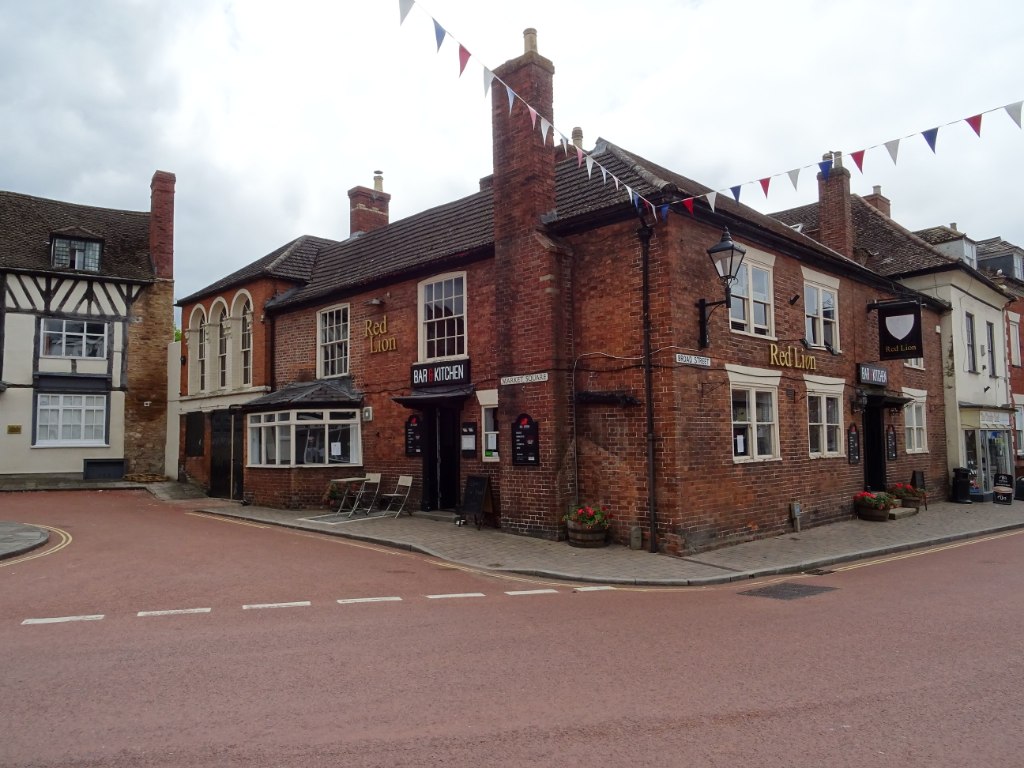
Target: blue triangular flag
{"x": 664, "y": 213}
{"x": 826, "y": 168}
{"x": 736, "y": 192}
{"x": 439, "y": 33}
{"x": 930, "y": 136}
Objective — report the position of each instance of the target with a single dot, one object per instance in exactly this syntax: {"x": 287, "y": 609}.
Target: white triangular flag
{"x": 590, "y": 167}
{"x": 894, "y": 148}
{"x": 511, "y": 98}
{"x": 488, "y": 78}
{"x": 711, "y": 196}
{"x": 545, "y": 126}
{"x": 1013, "y": 110}
{"x": 794, "y": 175}
{"x": 404, "y": 6}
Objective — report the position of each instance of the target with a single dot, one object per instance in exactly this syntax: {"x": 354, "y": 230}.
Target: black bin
{"x": 1018, "y": 492}
{"x": 961, "y": 485}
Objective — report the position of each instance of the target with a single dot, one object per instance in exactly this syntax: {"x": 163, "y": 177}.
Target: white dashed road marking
{"x": 61, "y": 619}
{"x": 174, "y": 612}
{"x": 299, "y": 604}
{"x": 533, "y": 592}
{"x": 592, "y": 589}
{"x": 458, "y": 594}
{"x": 350, "y": 600}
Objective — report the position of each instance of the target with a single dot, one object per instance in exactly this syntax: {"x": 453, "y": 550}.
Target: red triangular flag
{"x": 975, "y": 123}
{"x": 764, "y": 184}
{"x": 858, "y": 158}
{"x": 688, "y": 202}
{"x": 463, "y": 58}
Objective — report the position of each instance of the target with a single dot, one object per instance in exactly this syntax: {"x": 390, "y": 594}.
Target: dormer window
{"x": 69, "y": 253}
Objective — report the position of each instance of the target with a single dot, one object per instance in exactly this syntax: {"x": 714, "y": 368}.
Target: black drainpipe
{"x": 644, "y": 234}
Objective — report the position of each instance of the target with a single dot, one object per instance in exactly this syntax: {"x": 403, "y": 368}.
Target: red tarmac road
{"x": 916, "y": 660}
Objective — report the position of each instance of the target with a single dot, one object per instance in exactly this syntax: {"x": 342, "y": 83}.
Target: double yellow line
{"x": 65, "y": 539}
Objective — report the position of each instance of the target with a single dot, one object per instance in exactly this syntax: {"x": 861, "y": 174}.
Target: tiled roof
{"x": 939, "y": 235}
{"x": 465, "y": 226}
{"x": 995, "y": 246}
{"x": 308, "y": 394}
{"x": 292, "y": 261}
{"x": 26, "y": 224}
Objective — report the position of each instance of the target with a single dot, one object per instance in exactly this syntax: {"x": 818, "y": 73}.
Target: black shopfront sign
{"x": 872, "y": 374}
{"x": 525, "y": 441}
{"x": 899, "y": 331}
{"x": 413, "y": 436}
{"x": 853, "y": 444}
{"x": 451, "y": 372}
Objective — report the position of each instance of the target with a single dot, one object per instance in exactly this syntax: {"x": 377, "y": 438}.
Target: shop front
{"x": 987, "y": 445}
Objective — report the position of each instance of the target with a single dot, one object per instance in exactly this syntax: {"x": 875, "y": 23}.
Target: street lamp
{"x": 727, "y": 257}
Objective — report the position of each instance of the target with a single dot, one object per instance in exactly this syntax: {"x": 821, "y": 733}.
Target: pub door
{"x": 441, "y": 439}
{"x": 874, "y": 448}
{"x": 226, "y": 454}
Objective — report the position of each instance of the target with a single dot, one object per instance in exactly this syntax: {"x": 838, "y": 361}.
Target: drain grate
{"x": 787, "y": 591}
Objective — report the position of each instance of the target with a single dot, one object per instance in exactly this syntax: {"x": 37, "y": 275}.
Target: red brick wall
{"x": 835, "y": 219}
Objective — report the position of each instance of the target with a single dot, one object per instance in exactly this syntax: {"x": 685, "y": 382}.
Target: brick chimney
{"x": 533, "y": 279}
{"x": 877, "y": 200}
{"x": 161, "y": 224}
{"x": 368, "y": 208}
{"x": 835, "y": 219}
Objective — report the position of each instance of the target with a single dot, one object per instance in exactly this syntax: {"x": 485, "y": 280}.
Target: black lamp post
{"x": 727, "y": 257}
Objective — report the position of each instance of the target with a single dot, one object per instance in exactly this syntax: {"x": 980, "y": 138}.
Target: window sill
{"x": 826, "y": 455}
{"x": 755, "y": 460}
{"x": 71, "y": 445}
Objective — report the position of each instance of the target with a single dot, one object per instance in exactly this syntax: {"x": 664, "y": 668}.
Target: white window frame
{"x": 54, "y": 334}
{"x": 489, "y": 425}
{"x": 1018, "y": 429}
{"x": 220, "y": 323}
{"x": 332, "y": 342}
{"x": 971, "y": 342}
{"x": 458, "y": 317}
{"x": 753, "y": 382}
{"x": 916, "y": 363}
{"x": 822, "y": 389}
{"x": 1014, "y": 333}
{"x": 744, "y": 323}
{"x": 818, "y": 285}
{"x": 87, "y": 412}
{"x": 203, "y": 348}
{"x": 245, "y": 343}
{"x": 307, "y": 438}
{"x": 915, "y": 421}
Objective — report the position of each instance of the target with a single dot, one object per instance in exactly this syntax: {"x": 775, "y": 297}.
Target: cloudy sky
{"x": 269, "y": 112}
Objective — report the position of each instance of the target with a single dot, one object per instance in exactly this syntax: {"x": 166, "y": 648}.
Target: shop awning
{"x": 887, "y": 400}
{"x": 435, "y": 396}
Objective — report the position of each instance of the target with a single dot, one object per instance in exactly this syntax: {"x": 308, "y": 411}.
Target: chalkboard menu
{"x": 478, "y": 501}
{"x": 1002, "y": 489}
{"x": 853, "y": 445}
{"x": 413, "y": 436}
{"x": 890, "y": 443}
{"x": 525, "y": 441}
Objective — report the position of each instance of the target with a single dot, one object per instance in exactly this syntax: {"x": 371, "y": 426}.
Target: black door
{"x": 440, "y": 458}
{"x": 226, "y": 454}
{"x": 874, "y": 448}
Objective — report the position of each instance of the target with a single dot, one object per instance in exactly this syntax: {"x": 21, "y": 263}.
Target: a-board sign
{"x": 478, "y": 501}
{"x": 890, "y": 443}
{"x": 413, "y": 436}
{"x": 525, "y": 441}
{"x": 1002, "y": 489}
{"x": 853, "y": 445}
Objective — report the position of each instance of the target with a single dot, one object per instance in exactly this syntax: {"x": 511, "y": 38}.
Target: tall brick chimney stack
{"x": 835, "y": 218}
{"x": 161, "y": 224}
{"x": 879, "y": 201}
{"x": 368, "y": 208}
{"x": 533, "y": 279}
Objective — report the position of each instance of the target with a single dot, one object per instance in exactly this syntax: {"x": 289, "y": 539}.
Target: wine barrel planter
{"x": 584, "y": 536}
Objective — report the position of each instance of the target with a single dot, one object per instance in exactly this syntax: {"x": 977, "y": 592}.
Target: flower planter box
{"x": 870, "y": 513}
{"x": 586, "y": 536}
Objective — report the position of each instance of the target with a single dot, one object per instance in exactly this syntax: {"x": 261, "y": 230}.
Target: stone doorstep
{"x": 898, "y": 513}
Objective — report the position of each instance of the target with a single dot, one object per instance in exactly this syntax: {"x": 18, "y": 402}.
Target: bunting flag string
{"x": 930, "y": 135}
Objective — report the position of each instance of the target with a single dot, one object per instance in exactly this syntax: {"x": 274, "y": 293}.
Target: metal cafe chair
{"x": 396, "y": 500}
{"x": 367, "y": 495}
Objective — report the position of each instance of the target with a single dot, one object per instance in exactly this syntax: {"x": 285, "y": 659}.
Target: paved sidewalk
{"x": 493, "y": 550}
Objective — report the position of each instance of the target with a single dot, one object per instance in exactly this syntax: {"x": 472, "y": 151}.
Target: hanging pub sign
{"x": 525, "y": 441}
{"x": 890, "y": 443}
{"x": 413, "y": 436}
{"x": 899, "y": 331}
{"x": 853, "y": 445}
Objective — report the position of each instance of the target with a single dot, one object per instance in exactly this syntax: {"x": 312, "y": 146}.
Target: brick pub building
{"x": 543, "y": 333}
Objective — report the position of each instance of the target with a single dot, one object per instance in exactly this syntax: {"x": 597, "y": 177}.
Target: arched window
{"x": 201, "y": 353}
{"x": 222, "y": 347}
{"x": 245, "y": 344}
